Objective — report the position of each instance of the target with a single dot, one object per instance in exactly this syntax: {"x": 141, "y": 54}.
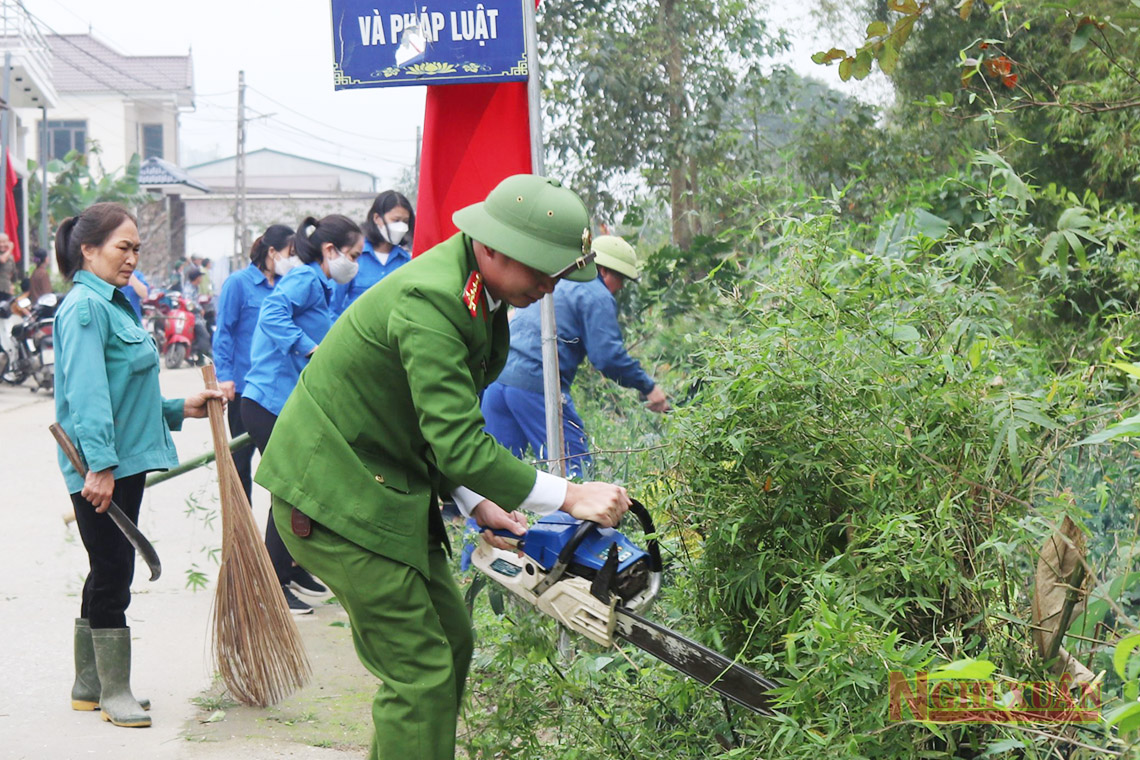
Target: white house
{"x": 281, "y": 188}
{"x": 128, "y": 104}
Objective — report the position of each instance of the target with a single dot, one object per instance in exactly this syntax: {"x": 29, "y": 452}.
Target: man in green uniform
{"x": 386, "y": 418}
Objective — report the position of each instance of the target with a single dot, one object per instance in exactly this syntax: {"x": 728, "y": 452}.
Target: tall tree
{"x": 636, "y": 92}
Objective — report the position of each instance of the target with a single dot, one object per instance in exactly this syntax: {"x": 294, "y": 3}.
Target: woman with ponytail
{"x": 293, "y": 320}
{"x": 108, "y": 402}
{"x": 388, "y": 234}
{"x": 239, "y": 304}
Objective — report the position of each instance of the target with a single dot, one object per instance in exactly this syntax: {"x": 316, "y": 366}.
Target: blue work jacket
{"x": 133, "y": 297}
{"x": 586, "y": 313}
{"x": 238, "y": 307}
{"x": 293, "y": 320}
{"x": 371, "y": 272}
{"x": 107, "y": 397}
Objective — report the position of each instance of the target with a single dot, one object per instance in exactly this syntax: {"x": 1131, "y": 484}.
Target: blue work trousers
{"x": 517, "y": 419}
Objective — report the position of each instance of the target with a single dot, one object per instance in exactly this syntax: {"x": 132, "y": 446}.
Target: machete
{"x": 129, "y": 529}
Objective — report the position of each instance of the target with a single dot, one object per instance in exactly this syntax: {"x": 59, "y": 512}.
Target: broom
{"x": 257, "y": 648}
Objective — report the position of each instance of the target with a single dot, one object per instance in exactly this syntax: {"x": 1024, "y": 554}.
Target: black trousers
{"x": 259, "y": 422}
{"x": 243, "y": 457}
{"x": 107, "y": 590}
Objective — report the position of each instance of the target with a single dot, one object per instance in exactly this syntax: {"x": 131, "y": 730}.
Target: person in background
{"x": 136, "y": 290}
{"x": 176, "y": 275}
{"x": 7, "y": 266}
{"x": 108, "y": 401}
{"x": 41, "y": 278}
{"x": 293, "y": 320}
{"x": 587, "y": 321}
{"x": 206, "y": 286}
{"x": 386, "y": 418}
{"x": 387, "y": 246}
{"x": 238, "y": 307}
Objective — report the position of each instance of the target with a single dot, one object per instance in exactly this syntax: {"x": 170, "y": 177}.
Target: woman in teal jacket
{"x": 108, "y": 401}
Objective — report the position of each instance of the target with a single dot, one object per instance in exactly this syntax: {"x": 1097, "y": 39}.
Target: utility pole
{"x": 241, "y": 232}
{"x": 419, "y": 140}
{"x": 45, "y": 243}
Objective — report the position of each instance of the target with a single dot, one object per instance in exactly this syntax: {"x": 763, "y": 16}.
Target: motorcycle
{"x": 29, "y": 348}
{"x": 182, "y": 339}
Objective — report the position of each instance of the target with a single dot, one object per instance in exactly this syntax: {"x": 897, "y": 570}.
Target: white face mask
{"x": 342, "y": 269}
{"x": 394, "y": 232}
{"x": 282, "y": 266}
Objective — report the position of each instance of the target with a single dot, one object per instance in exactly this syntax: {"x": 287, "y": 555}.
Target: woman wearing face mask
{"x": 387, "y": 245}
{"x": 293, "y": 320}
{"x": 238, "y": 306}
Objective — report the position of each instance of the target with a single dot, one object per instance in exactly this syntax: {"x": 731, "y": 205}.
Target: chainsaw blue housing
{"x": 548, "y": 536}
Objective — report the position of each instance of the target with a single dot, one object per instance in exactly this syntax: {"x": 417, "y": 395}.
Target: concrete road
{"x": 42, "y": 567}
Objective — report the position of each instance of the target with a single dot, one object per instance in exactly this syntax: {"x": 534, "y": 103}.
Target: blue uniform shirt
{"x": 293, "y": 320}
{"x": 371, "y": 272}
{"x": 132, "y": 296}
{"x": 107, "y": 397}
{"x": 238, "y": 307}
{"x": 586, "y": 314}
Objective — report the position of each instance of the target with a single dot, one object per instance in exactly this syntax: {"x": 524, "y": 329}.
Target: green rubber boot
{"x": 85, "y": 690}
{"x": 113, "y": 662}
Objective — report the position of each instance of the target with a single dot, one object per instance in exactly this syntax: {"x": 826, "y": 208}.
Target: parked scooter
{"x": 182, "y": 337}
{"x": 29, "y": 348}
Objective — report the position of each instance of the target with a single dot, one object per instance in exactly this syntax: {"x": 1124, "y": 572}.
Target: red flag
{"x": 11, "y": 221}
{"x": 475, "y": 135}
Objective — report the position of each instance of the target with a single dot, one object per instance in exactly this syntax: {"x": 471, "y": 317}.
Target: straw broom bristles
{"x": 257, "y": 648}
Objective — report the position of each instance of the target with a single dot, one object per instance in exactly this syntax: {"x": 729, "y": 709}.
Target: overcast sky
{"x": 285, "y": 48}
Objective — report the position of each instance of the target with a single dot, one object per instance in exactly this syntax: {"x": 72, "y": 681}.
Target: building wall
{"x": 114, "y": 121}
{"x": 271, "y": 171}
{"x": 210, "y": 218}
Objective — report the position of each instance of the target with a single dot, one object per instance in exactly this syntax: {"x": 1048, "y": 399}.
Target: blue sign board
{"x": 380, "y": 43}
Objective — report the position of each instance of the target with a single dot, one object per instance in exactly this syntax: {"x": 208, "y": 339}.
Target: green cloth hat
{"x": 614, "y": 253}
{"x": 536, "y": 221}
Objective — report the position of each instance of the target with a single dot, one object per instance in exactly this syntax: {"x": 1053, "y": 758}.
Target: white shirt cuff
{"x": 547, "y": 496}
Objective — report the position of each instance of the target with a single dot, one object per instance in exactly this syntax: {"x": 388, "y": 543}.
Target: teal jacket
{"x": 107, "y": 397}
{"x": 386, "y": 416}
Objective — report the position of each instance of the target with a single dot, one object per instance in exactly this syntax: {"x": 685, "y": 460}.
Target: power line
{"x": 277, "y": 124}
{"x": 330, "y": 126}
{"x": 64, "y": 38}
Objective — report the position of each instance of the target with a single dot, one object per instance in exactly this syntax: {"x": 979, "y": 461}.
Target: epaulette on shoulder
{"x": 473, "y": 293}
{"x": 83, "y": 311}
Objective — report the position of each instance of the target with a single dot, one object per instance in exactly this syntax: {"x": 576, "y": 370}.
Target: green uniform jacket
{"x": 386, "y": 415}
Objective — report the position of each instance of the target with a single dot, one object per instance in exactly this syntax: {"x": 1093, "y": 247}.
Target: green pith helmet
{"x": 536, "y": 221}
{"x": 614, "y": 253}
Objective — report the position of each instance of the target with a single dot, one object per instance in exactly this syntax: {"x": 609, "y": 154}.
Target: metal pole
{"x": 44, "y": 242}
{"x": 551, "y": 387}
{"x": 239, "y": 178}
{"x": 5, "y": 120}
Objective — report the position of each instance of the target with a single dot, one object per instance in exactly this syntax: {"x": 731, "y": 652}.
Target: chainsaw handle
{"x": 646, "y": 520}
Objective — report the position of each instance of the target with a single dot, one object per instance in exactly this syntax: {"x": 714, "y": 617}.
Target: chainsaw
{"x": 596, "y": 582}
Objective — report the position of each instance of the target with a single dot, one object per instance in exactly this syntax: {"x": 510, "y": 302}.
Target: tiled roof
{"x": 84, "y": 64}
{"x": 154, "y": 172}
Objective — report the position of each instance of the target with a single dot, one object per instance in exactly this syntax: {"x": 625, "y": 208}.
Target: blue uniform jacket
{"x": 107, "y": 397}
{"x": 586, "y": 313}
{"x": 371, "y": 272}
{"x": 238, "y": 307}
{"x": 133, "y": 297}
{"x": 293, "y": 320}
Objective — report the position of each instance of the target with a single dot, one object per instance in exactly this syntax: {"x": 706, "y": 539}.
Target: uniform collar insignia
{"x": 473, "y": 292}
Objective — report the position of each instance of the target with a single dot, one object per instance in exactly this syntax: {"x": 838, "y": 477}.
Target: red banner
{"x": 475, "y": 135}
{"x": 11, "y": 220}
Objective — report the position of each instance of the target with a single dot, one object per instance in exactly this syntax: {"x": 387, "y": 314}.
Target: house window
{"x": 64, "y": 137}
{"x": 152, "y": 140}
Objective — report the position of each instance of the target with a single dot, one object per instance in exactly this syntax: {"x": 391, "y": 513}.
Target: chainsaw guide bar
{"x": 597, "y": 582}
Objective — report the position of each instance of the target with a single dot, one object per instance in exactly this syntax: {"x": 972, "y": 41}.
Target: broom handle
{"x": 217, "y": 423}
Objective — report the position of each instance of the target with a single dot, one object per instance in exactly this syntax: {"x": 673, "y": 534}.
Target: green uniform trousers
{"x": 411, "y": 632}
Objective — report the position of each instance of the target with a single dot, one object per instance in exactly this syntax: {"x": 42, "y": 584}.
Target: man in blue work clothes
{"x": 586, "y": 315}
